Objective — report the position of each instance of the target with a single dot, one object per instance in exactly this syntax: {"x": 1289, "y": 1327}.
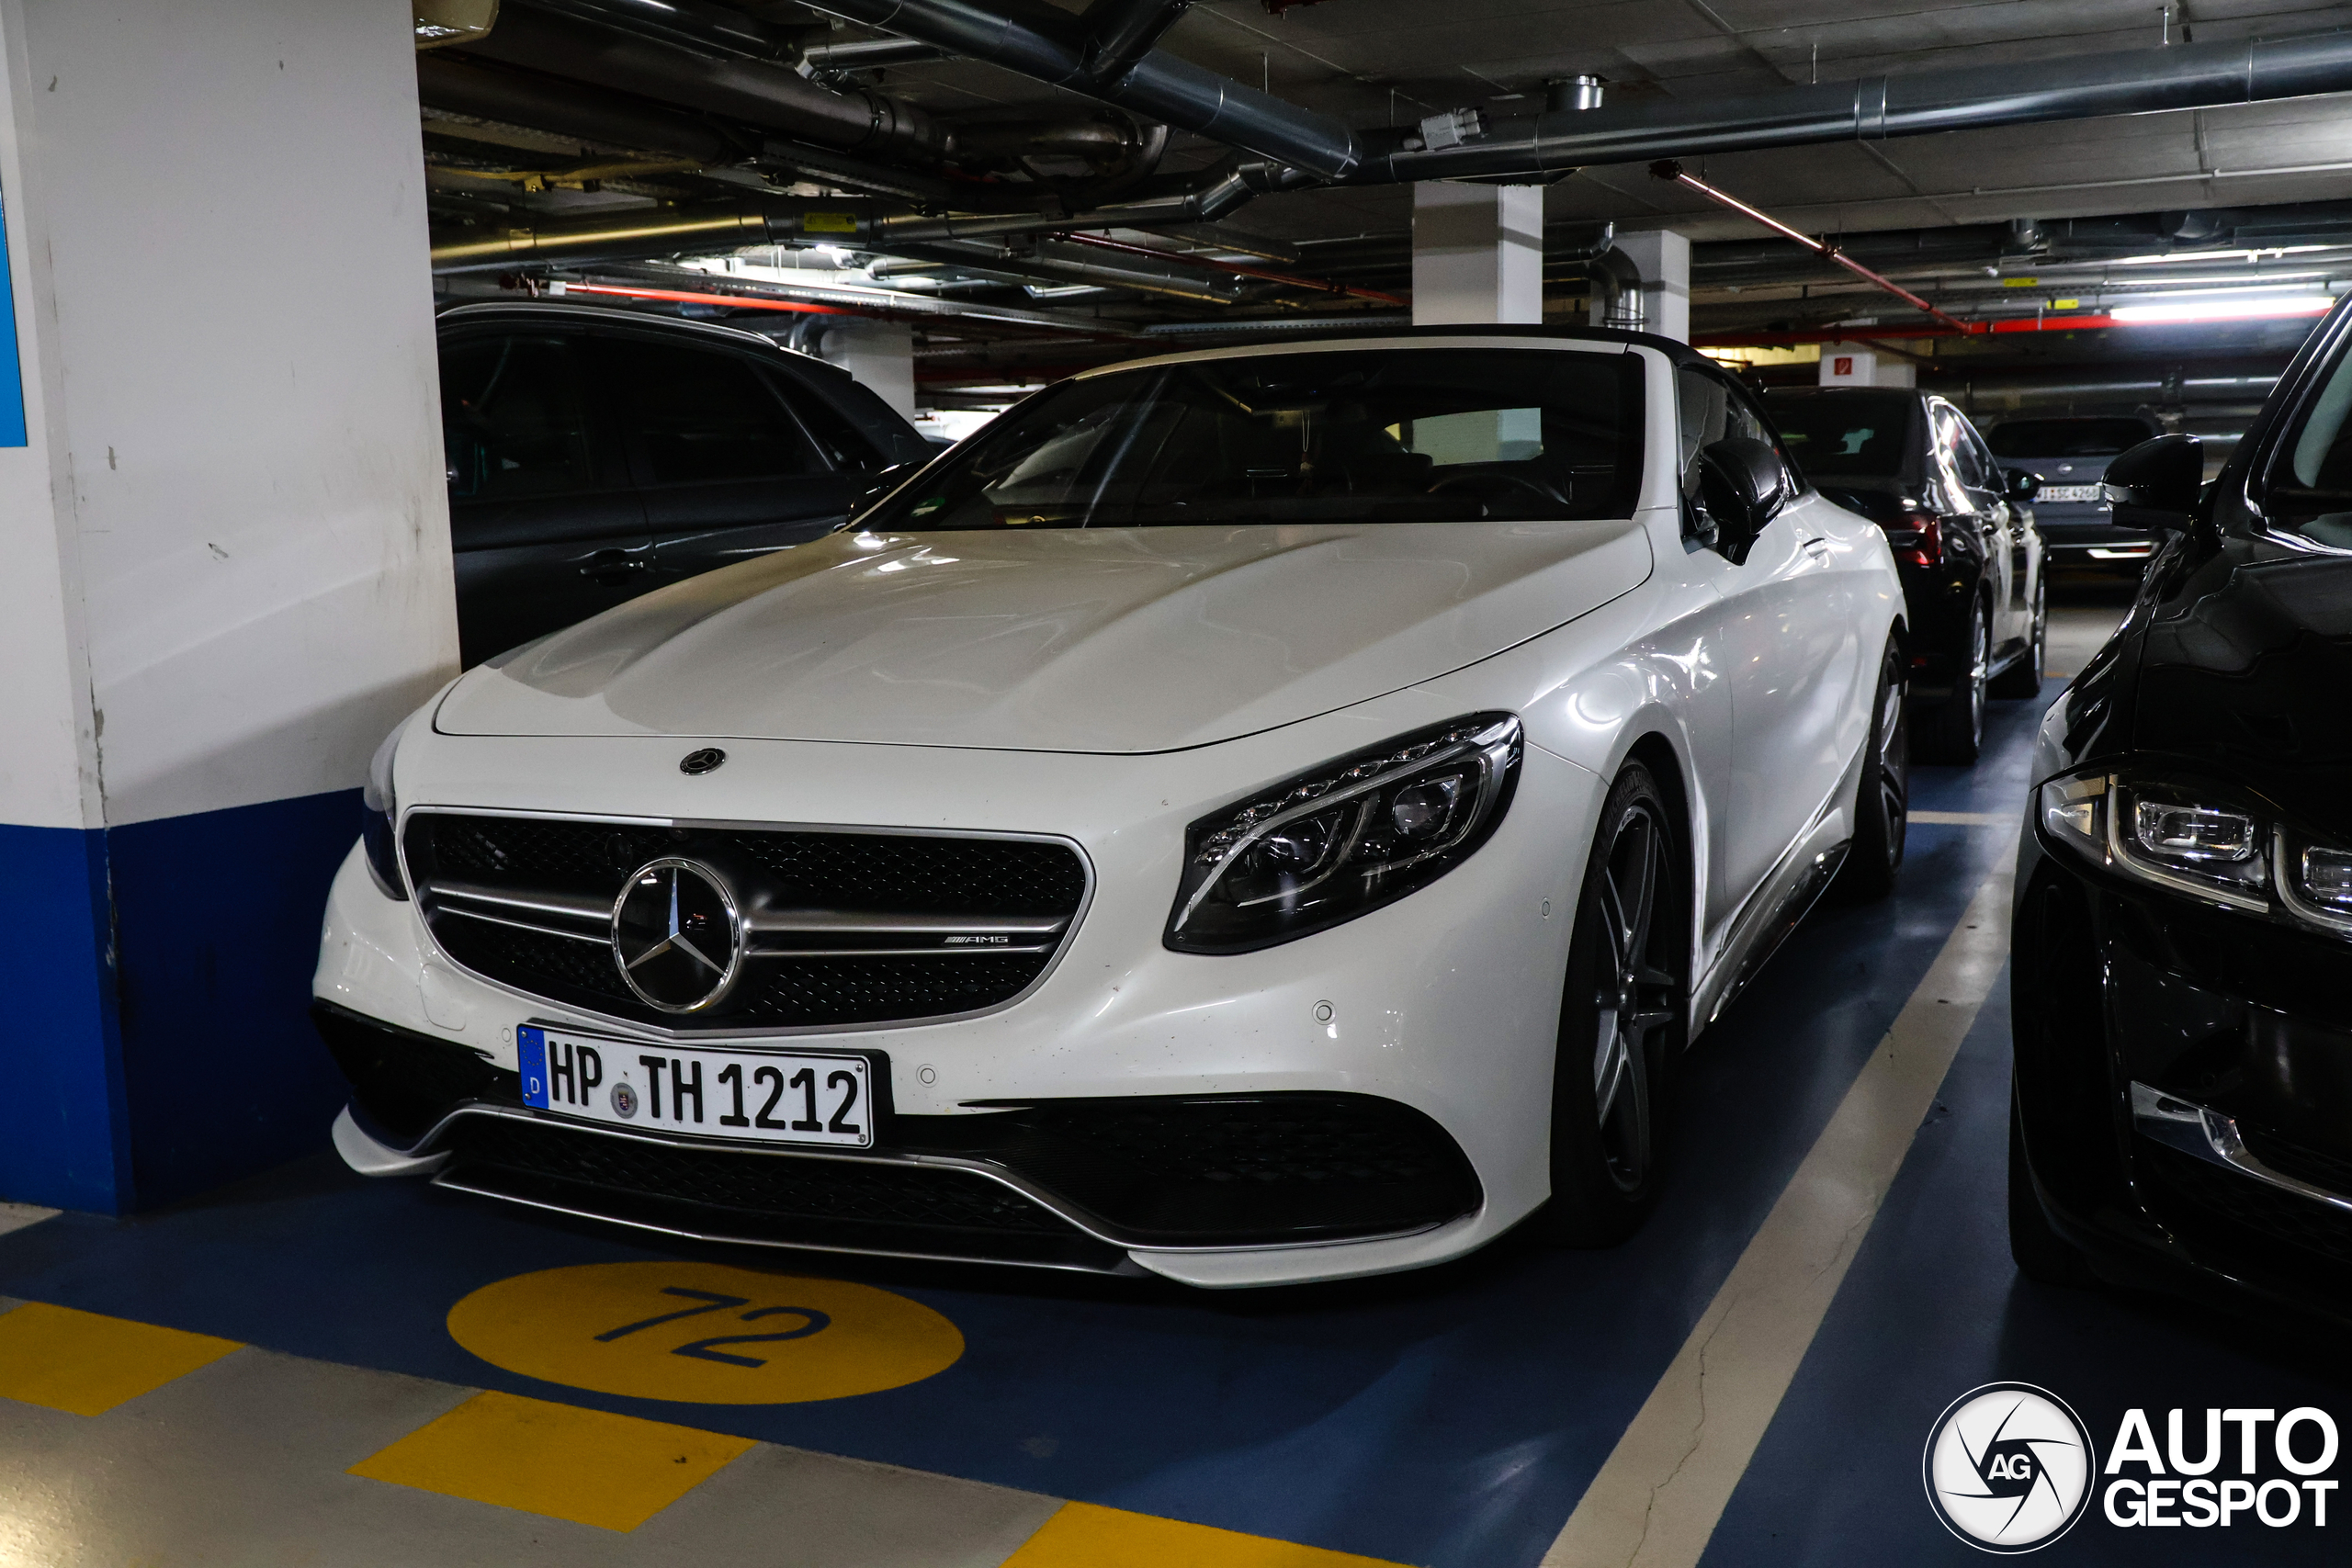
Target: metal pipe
{"x": 542, "y": 103}
{"x": 1043, "y": 266}
{"x": 2079, "y": 86}
{"x": 688, "y": 23}
{"x": 1119, "y": 33}
{"x": 869, "y": 53}
{"x": 833, "y": 221}
{"x": 1669, "y": 170}
{"x": 1047, "y": 48}
{"x": 1292, "y": 280}
{"x": 766, "y": 95}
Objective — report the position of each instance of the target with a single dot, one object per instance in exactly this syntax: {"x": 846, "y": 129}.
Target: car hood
{"x": 1119, "y": 639}
{"x": 2245, "y": 669}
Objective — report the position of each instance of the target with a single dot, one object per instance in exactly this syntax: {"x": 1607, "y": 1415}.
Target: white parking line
{"x": 17, "y": 1216}
{"x": 1657, "y": 1498}
{"x": 1964, "y": 819}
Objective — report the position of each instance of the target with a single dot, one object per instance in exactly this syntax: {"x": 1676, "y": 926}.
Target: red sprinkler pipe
{"x": 1322, "y": 285}
{"x": 683, "y": 297}
{"x": 1667, "y": 169}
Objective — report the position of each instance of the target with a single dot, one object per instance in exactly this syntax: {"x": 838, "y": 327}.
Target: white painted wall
{"x": 1477, "y": 253}
{"x": 229, "y": 555}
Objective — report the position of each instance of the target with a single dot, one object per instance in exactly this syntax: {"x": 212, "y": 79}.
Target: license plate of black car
{"x": 768, "y": 1097}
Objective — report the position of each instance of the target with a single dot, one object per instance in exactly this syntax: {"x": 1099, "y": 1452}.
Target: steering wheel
{"x": 1484, "y": 482}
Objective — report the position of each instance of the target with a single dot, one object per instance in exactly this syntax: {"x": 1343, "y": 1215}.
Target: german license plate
{"x": 2068, "y": 492}
{"x": 767, "y": 1097}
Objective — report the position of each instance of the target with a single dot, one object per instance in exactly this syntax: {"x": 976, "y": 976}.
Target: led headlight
{"x": 2205, "y": 840}
{"x": 1344, "y": 840}
{"x": 382, "y": 815}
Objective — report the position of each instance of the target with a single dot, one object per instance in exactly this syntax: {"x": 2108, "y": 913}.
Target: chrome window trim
{"x": 2214, "y": 1138}
{"x": 1060, "y": 1208}
{"x": 636, "y": 1028}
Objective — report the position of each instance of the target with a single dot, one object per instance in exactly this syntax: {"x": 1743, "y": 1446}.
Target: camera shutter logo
{"x": 2009, "y": 1467}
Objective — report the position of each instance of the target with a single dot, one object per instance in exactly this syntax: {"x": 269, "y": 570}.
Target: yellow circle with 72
{"x": 704, "y": 1333}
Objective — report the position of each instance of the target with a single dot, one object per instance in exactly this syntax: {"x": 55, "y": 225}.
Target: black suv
{"x": 1964, "y": 542}
{"x": 2069, "y": 455}
{"x": 595, "y": 455}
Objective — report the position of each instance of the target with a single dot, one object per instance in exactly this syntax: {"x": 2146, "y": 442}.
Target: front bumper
{"x": 2088, "y": 536}
{"x": 1428, "y": 1027}
{"x": 2184, "y": 1080}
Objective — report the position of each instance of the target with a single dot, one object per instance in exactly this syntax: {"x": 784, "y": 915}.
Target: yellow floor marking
{"x": 85, "y": 1364}
{"x": 1084, "y": 1536}
{"x": 584, "y": 1465}
{"x": 704, "y": 1333}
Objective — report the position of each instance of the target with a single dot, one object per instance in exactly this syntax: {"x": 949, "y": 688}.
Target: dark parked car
{"x": 1963, "y": 538}
{"x": 2182, "y": 957}
{"x": 596, "y": 454}
{"x": 2069, "y": 455}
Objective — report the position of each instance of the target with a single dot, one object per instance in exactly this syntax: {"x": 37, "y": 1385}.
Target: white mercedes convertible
{"x": 1256, "y": 816}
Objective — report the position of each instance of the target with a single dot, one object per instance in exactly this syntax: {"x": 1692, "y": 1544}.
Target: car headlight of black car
{"x": 1357, "y": 833}
{"x": 2204, "y": 839}
{"x": 383, "y": 816}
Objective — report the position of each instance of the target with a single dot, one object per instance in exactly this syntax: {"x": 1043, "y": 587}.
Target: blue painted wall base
{"x": 156, "y": 1040}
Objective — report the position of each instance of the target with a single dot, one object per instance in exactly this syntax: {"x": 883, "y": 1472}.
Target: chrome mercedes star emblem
{"x": 677, "y": 935}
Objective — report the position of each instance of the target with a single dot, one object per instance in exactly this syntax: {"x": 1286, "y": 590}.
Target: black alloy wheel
{"x": 1882, "y": 796}
{"x": 2023, "y": 679}
{"x": 1956, "y": 731}
{"x": 1621, "y": 1020}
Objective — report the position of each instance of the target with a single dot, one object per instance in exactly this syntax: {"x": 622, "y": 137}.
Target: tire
{"x": 2023, "y": 679}
{"x": 1954, "y": 732}
{"x": 1882, "y": 796}
{"x": 2040, "y": 1252}
{"x": 1622, "y": 1019}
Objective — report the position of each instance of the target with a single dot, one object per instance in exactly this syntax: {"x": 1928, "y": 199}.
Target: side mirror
{"x": 2155, "y": 485}
{"x": 2020, "y": 486}
{"x": 1744, "y": 485}
{"x": 881, "y": 483}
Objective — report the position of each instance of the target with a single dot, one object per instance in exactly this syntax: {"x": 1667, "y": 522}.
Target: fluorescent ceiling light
{"x": 2225, "y": 310}
{"x": 2195, "y": 256}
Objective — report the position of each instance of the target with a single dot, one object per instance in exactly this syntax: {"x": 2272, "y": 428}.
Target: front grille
{"x": 773, "y": 872}
{"x": 861, "y": 1205}
{"x": 2223, "y": 1206}
{"x": 1222, "y": 1170}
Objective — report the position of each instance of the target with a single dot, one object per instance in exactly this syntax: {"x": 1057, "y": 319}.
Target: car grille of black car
{"x": 2224, "y": 1208}
{"x": 568, "y": 959}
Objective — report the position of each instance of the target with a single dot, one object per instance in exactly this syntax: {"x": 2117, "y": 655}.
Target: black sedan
{"x": 1964, "y": 542}
{"x": 2182, "y": 959}
{"x": 596, "y": 454}
{"x": 2069, "y": 454}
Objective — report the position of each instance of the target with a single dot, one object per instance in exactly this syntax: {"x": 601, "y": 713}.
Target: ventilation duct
{"x": 2079, "y": 86}
{"x": 767, "y": 96}
{"x": 1047, "y": 46}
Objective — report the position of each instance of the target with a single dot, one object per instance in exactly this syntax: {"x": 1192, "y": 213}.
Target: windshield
{"x": 2311, "y": 483}
{"x": 1388, "y": 436}
{"x": 2066, "y": 437}
{"x": 1847, "y": 435}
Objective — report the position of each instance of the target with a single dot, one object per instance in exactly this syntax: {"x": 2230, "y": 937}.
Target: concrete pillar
{"x": 1858, "y": 364}
{"x": 881, "y": 355}
{"x": 228, "y": 563}
{"x": 1477, "y": 253}
{"x": 1663, "y": 259}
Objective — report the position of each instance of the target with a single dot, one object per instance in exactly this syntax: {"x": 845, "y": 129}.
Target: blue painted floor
{"x": 1450, "y": 1418}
